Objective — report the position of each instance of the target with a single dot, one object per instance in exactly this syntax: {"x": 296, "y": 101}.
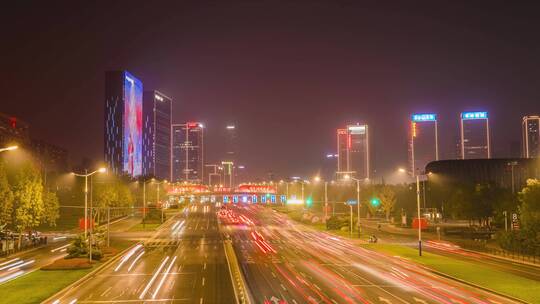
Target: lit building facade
{"x": 353, "y": 152}
{"x": 123, "y": 123}
{"x": 231, "y": 144}
{"x": 423, "y": 142}
{"x": 475, "y": 136}
{"x": 187, "y": 148}
{"x": 342, "y": 149}
{"x": 531, "y": 136}
{"x": 227, "y": 174}
{"x": 156, "y": 158}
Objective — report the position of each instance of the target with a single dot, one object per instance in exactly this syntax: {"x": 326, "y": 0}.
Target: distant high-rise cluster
{"x": 188, "y": 152}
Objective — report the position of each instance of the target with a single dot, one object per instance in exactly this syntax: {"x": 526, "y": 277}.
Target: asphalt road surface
{"x": 289, "y": 263}
{"x": 183, "y": 262}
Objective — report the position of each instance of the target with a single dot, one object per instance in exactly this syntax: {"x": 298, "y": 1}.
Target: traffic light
{"x": 309, "y": 201}
{"x": 375, "y": 202}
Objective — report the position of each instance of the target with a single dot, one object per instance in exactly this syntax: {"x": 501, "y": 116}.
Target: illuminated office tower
{"x": 475, "y": 138}
{"x": 423, "y": 142}
{"x": 187, "y": 146}
{"x": 531, "y": 136}
{"x": 156, "y": 135}
{"x": 231, "y": 144}
{"x": 123, "y": 123}
{"x": 358, "y": 150}
{"x": 227, "y": 174}
{"x": 342, "y": 151}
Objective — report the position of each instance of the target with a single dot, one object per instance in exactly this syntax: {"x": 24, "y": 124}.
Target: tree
{"x": 6, "y": 198}
{"x": 28, "y": 199}
{"x": 529, "y": 209}
{"x": 51, "y": 208}
{"x": 387, "y": 196}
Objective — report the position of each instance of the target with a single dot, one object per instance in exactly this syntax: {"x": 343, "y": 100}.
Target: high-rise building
{"x": 531, "y": 136}
{"x": 423, "y": 142}
{"x": 342, "y": 151}
{"x": 187, "y": 152}
{"x": 227, "y": 174}
{"x": 358, "y": 150}
{"x": 231, "y": 144}
{"x": 156, "y": 157}
{"x": 123, "y": 123}
{"x": 475, "y": 136}
{"x": 353, "y": 152}
{"x": 214, "y": 175}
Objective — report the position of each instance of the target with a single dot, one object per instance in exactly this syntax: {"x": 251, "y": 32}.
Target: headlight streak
{"x": 21, "y": 265}
{"x": 143, "y": 293}
{"x": 11, "y": 276}
{"x": 60, "y": 248}
{"x": 7, "y": 262}
{"x": 11, "y": 265}
{"x": 135, "y": 261}
{"x": 163, "y": 278}
{"x": 126, "y": 257}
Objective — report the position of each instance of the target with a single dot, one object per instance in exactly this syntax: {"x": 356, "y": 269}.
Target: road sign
{"x": 352, "y": 202}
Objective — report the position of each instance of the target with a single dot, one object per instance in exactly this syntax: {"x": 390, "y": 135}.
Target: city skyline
{"x": 273, "y": 103}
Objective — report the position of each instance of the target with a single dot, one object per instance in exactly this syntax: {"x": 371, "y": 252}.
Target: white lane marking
{"x": 105, "y": 292}
{"x": 11, "y": 276}
{"x": 419, "y": 300}
{"x": 153, "y": 278}
{"x": 201, "y": 301}
{"x": 203, "y": 281}
{"x": 204, "y": 266}
{"x": 127, "y": 256}
{"x": 73, "y": 301}
{"x": 56, "y": 302}
{"x": 385, "y": 300}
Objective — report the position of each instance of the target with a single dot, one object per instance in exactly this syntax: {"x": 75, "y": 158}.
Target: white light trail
{"x": 21, "y": 265}
{"x": 153, "y": 278}
{"x": 127, "y": 256}
{"x": 135, "y": 261}
{"x": 11, "y": 276}
{"x": 11, "y": 265}
{"x": 163, "y": 278}
{"x": 15, "y": 259}
{"x": 60, "y": 248}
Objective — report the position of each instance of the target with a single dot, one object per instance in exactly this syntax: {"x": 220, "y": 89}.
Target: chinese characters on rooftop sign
{"x": 474, "y": 115}
{"x": 424, "y": 117}
{"x": 357, "y": 129}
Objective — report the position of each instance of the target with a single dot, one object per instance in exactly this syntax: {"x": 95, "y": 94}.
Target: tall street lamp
{"x": 418, "y": 207}
{"x": 317, "y": 179}
{"x": 10, "y": 148}
{"x": 86, "y": 175}
{"x": 157, "y": 196}
{"x": 347, "y": 177}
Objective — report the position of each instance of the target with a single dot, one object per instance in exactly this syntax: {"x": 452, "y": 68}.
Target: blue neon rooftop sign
{"x": 424, "y": 117}
{"x": 474, "y": 115}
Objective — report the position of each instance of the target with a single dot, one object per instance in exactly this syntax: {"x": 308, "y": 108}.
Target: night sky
{"x": 288, "y": 73}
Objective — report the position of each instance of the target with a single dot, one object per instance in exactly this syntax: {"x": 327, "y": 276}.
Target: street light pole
{"x": 325, "y": 201}
{"x": 302, "y": 191}
{"x": 418, "y": 209}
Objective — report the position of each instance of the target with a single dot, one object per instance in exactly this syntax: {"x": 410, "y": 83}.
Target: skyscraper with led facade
{"x": 475, "y": 135}
{"x": 342, "y": 151}
{"x": 187, "y": 147}
{"x": 531, "y": 136}
{"x": 423, "y": 142}
{"x": 156, "y": 159}
{"x": 353, "y": 152}
{"x": 123, "y": 123}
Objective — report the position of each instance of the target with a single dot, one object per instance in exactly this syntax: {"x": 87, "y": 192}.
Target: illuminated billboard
{"x": 357, "y": 129}
{"x": 474, "y": 115}
{"x": 132, "y": 139}
{"x": 424, "y": 117}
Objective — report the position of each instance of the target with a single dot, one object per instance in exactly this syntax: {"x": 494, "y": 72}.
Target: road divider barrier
{"x": 241, "y": 291}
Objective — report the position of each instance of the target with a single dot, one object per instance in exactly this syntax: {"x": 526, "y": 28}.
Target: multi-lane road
{"x": 183, "y": 262}
{"x": 280, "y": 261}
{"x": 289, "y": 263}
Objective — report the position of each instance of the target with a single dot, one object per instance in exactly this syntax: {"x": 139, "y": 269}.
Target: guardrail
{"x": 241, "y": 292}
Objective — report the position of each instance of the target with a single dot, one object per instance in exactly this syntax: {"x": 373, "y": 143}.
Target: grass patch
{"x": 39, "y": 285}
{"x": 148, "y": 227}
{"x": 500, "y": 281}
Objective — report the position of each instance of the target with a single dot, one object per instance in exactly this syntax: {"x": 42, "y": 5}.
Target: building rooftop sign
{"x": 474, "y": 115}
{"x": 424, "y": 117}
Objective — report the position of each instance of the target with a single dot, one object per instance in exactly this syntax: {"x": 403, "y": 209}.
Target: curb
{"x": 88, "y": 275}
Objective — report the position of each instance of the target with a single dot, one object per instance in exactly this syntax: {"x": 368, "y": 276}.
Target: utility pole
{"x": 325, "y": 201}
{"x": 358, "y": 203}
{"x": 418, "y": 209}
{"x": 108, "y": 226}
